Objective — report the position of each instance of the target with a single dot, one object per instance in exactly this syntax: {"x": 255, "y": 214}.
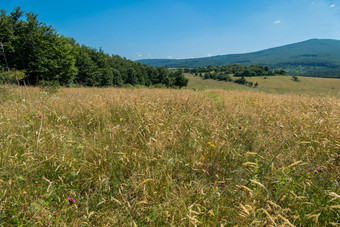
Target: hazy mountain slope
{"x": 315, "y": 57}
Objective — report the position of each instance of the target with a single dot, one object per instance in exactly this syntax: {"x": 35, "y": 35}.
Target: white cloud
{"x": 209, "y": 55}
{"x": 332, "y": 5}
{"x": 139, "y": 54}
{"x": 277, "y": 22}
{"x": 169, "y": 57}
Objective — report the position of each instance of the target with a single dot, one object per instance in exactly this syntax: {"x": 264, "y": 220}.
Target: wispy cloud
{"x": 333, "y": 5}
{"x": 169, "y": 57}
{"x": 139, "y": 54}
{"x": 277, "y": 22}
{"x": 209, "y": 55}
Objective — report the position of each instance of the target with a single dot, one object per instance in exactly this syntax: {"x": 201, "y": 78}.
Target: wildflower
{"x": 212, "y": 145}
{"x": 209, "y": 143}
{"x": 170, "y": 138}
{"x": 24, "y": 100}
{"x": 40, "y": 104}
{"x": 71, "y": 201}
{"x": 319, "y": 169}
{"x": 228, "y": 127}
{"x": 33, "y": 102}
{"x": 39, "y": 116}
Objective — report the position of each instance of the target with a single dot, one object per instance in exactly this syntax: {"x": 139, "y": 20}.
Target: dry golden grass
{"x": 168, "y": 157}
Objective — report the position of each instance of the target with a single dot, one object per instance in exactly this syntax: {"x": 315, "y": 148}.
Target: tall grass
{"x": 168, "y": 157}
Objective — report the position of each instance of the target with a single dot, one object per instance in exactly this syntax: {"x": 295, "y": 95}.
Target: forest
{"x": 32, "y": 52}
{"x": 215, "y": 72}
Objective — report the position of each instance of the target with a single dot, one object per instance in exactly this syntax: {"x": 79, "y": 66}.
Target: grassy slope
{"x": 276, "y": 84}
{"x": 167, "y": 157}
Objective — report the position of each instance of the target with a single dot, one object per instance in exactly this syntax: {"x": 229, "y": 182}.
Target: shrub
{"x": 12, "y": 77}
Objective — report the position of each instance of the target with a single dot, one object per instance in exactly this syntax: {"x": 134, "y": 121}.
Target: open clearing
{"x": 89, "y": 156}
{"x": 274, "y": 84}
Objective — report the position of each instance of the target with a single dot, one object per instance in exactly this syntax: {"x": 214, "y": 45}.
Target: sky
{"x": 143, "y": 29}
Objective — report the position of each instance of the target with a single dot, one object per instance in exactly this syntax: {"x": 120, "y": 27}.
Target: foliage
{"x": 223, "y": 72}
{"x": 241, "y": 80}
{"x": 11, "y": 77}
{"x": 43, "y": 54}
{"x": 295, "y": 78}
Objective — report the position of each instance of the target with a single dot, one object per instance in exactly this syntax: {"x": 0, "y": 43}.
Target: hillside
{"x": 315, "y": 57}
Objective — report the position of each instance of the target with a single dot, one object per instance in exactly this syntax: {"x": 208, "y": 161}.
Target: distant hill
{"x": 315, "y": 58}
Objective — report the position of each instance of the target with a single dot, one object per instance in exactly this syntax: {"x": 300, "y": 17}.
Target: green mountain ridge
{"x": 314, "y": 57}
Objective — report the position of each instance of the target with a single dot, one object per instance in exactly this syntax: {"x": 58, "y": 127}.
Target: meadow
{"x": 153, "y": 157}
{"x": 310, "y": 86}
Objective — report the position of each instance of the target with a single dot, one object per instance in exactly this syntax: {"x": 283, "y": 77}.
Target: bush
{"x": 295, "y": 78}
{"x": 242, "y": 80}
{"x": 12, "y": 77}
{"x": 158, "y": 86}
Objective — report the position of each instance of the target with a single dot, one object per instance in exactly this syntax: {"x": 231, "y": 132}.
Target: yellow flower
{"x": 209, "y": 143}
{"x": 212, "y": 145}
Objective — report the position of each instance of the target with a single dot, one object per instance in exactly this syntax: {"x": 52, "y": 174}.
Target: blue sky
{"x": 138, "y": 29}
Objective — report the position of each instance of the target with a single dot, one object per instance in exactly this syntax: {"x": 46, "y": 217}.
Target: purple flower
{"x": 39, "y": 116}
{"x": 71, "y": 201}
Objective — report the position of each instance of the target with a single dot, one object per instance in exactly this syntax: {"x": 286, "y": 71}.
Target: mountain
{"x": 314, "y": 57}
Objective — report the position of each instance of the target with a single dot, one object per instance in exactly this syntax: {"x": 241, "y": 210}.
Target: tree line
{"x": 37, "y": 50}
{"x": 219, "y": 72}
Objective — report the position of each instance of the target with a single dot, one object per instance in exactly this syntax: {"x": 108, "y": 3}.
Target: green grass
{"x": 305, "y": 85}
{"x": 158, "y": 157}
{"x": 197, "y": 83}
{"x": 274, "y": 84}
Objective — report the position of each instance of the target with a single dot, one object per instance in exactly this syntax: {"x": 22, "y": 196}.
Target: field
{"x": 275, "y": 84}
{"x": 153, "y": 157}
